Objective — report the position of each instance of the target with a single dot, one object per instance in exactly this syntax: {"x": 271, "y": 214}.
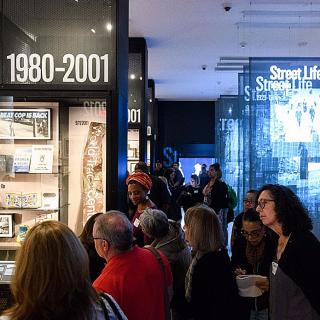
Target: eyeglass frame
{"x": 254, "y": 234}
{"x": 98, "y": 238}
{"x": 248, "y": 201}
{"x": 263, "y": 203}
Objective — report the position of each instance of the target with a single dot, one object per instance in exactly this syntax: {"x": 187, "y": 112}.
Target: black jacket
{"x": 214, "y": 290}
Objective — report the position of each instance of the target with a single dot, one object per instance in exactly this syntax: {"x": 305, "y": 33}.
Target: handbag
{"x": 155, "y": 252}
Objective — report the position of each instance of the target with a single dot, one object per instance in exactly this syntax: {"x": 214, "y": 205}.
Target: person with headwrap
{"x": 139, "y": 185}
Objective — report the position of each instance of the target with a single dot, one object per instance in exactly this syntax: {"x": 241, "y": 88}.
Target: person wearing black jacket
{"x": 211, "y": 288}
{"x": 253, "y": 254}
{"x": 216, "y": 196}
{"x": 294, "y": 276}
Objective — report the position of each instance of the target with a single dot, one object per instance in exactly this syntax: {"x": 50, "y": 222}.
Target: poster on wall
{"x": 93, "y": 193}
{"x": 25, "y": 124}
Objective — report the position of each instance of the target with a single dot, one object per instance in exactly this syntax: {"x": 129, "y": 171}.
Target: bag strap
{"x": 111, "y": 304}
{"x": 104, "y": 308}
{"x": 155, "y": 252}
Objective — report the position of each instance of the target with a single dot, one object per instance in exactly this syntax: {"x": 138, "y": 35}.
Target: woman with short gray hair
{"x": 169, "y": 239}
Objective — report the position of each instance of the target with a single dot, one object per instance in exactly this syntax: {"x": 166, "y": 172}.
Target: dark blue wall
{"x": 187, "y": 127}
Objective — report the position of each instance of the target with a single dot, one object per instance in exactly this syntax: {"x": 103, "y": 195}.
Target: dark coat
{"x": 214, "y": 290}
{"x": 219, "y": 196}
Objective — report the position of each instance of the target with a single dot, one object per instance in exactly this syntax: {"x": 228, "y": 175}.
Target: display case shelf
{"x": 9, "y": 245}
{"x": 9, "y": 210}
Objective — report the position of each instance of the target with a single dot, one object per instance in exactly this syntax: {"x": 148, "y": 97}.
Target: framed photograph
{"x": 6, "y": 226}
{"x": 25, "y": 124}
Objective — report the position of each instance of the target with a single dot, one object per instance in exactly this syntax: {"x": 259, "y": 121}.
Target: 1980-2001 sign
{"x": 78, "y": 68}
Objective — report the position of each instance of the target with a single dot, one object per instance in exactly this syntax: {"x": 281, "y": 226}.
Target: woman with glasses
{"x": 249, "y": 202}
{"x": 210, "y": 286}
{"x": 253, "y": 254}
{"x": 294, "y": 276}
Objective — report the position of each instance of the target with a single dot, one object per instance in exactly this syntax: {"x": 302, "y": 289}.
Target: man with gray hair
{"x": 132, "y": 275}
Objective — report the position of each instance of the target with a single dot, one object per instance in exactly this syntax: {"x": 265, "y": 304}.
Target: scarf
{"x": 255, "y": 254}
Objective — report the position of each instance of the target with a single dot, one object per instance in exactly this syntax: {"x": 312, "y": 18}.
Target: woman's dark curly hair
{"x": 290, "y": 212}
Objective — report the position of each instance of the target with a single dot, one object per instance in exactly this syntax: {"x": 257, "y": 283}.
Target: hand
{"x": 263, "y": 285}
{"x": 240, "y": 271}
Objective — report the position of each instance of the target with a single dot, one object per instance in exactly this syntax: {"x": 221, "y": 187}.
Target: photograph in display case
{"x": 6, "y": 226}
{"x": 25, "y": 124}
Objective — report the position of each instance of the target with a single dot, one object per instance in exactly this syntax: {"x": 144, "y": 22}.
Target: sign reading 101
{"x": 78, "y": 68}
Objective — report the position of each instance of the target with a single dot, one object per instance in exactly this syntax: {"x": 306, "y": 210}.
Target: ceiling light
{"x": 238, "y": 59}
{"x": 109, "y": 26}
{"x": 132, "y": 76}
{"x": 93, "y": 31}
{"x": 306, "y": 13}
{"x": 301, "y": 25}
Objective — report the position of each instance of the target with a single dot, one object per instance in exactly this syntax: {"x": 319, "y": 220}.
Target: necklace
{"x": 282, "y": 243}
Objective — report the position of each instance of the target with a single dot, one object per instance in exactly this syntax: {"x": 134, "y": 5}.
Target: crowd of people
{"x": 143, "y": 265}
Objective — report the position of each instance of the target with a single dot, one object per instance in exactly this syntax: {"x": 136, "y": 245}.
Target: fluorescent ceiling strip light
{"x": 286, "y": 25}
{"x": 231, "y": 64}
{"x": 245, "y": 59}
{"x": 302, "y": 2}
{"x": 250, "y": 13}
{"x": 228, "y": 69}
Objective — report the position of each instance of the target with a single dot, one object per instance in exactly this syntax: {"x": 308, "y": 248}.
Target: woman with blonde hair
{"x": 210, "y": 286}
{"x": 51, "y": 279}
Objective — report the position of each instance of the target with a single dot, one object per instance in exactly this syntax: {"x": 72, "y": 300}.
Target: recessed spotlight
{"x": 109, "y": 26}
{"x": 150, "y": 100}
{"x": 93, "y": 31}
{"x": 132, "y": 76}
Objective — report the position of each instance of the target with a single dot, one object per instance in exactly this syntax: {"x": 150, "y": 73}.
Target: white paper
{"x": 41, "y": 159}
{"x": 247, "y": 285}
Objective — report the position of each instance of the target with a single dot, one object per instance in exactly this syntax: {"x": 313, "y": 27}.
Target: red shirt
{"x": 135, "y": 280}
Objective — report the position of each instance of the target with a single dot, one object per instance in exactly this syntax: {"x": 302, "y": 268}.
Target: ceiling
{"x": 184, "y": 35}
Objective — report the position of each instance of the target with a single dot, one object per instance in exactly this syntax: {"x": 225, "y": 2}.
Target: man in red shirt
{"x": 132, "y": 275}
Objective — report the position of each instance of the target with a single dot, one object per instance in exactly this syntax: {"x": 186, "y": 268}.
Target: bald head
{"x": 114, "y": 227}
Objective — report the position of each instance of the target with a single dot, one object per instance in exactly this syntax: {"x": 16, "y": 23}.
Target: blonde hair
{"x": 51, "y": 279}
{"x": 204, "y": 229}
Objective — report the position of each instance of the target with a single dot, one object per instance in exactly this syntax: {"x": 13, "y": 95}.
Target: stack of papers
{"x": 247, "y": 285}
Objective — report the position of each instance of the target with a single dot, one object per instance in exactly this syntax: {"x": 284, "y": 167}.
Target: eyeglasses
{"x": 248, "y": 201}
{"x": 262, "y": 203}
{"x": 97, "y": 238}
{"x": 252, "y": 234}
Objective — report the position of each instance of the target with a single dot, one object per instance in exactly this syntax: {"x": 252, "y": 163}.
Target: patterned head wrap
{"x": 141, "y": 178}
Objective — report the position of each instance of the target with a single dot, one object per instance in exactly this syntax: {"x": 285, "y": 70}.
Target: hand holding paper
{"x": 251, "y": 285}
